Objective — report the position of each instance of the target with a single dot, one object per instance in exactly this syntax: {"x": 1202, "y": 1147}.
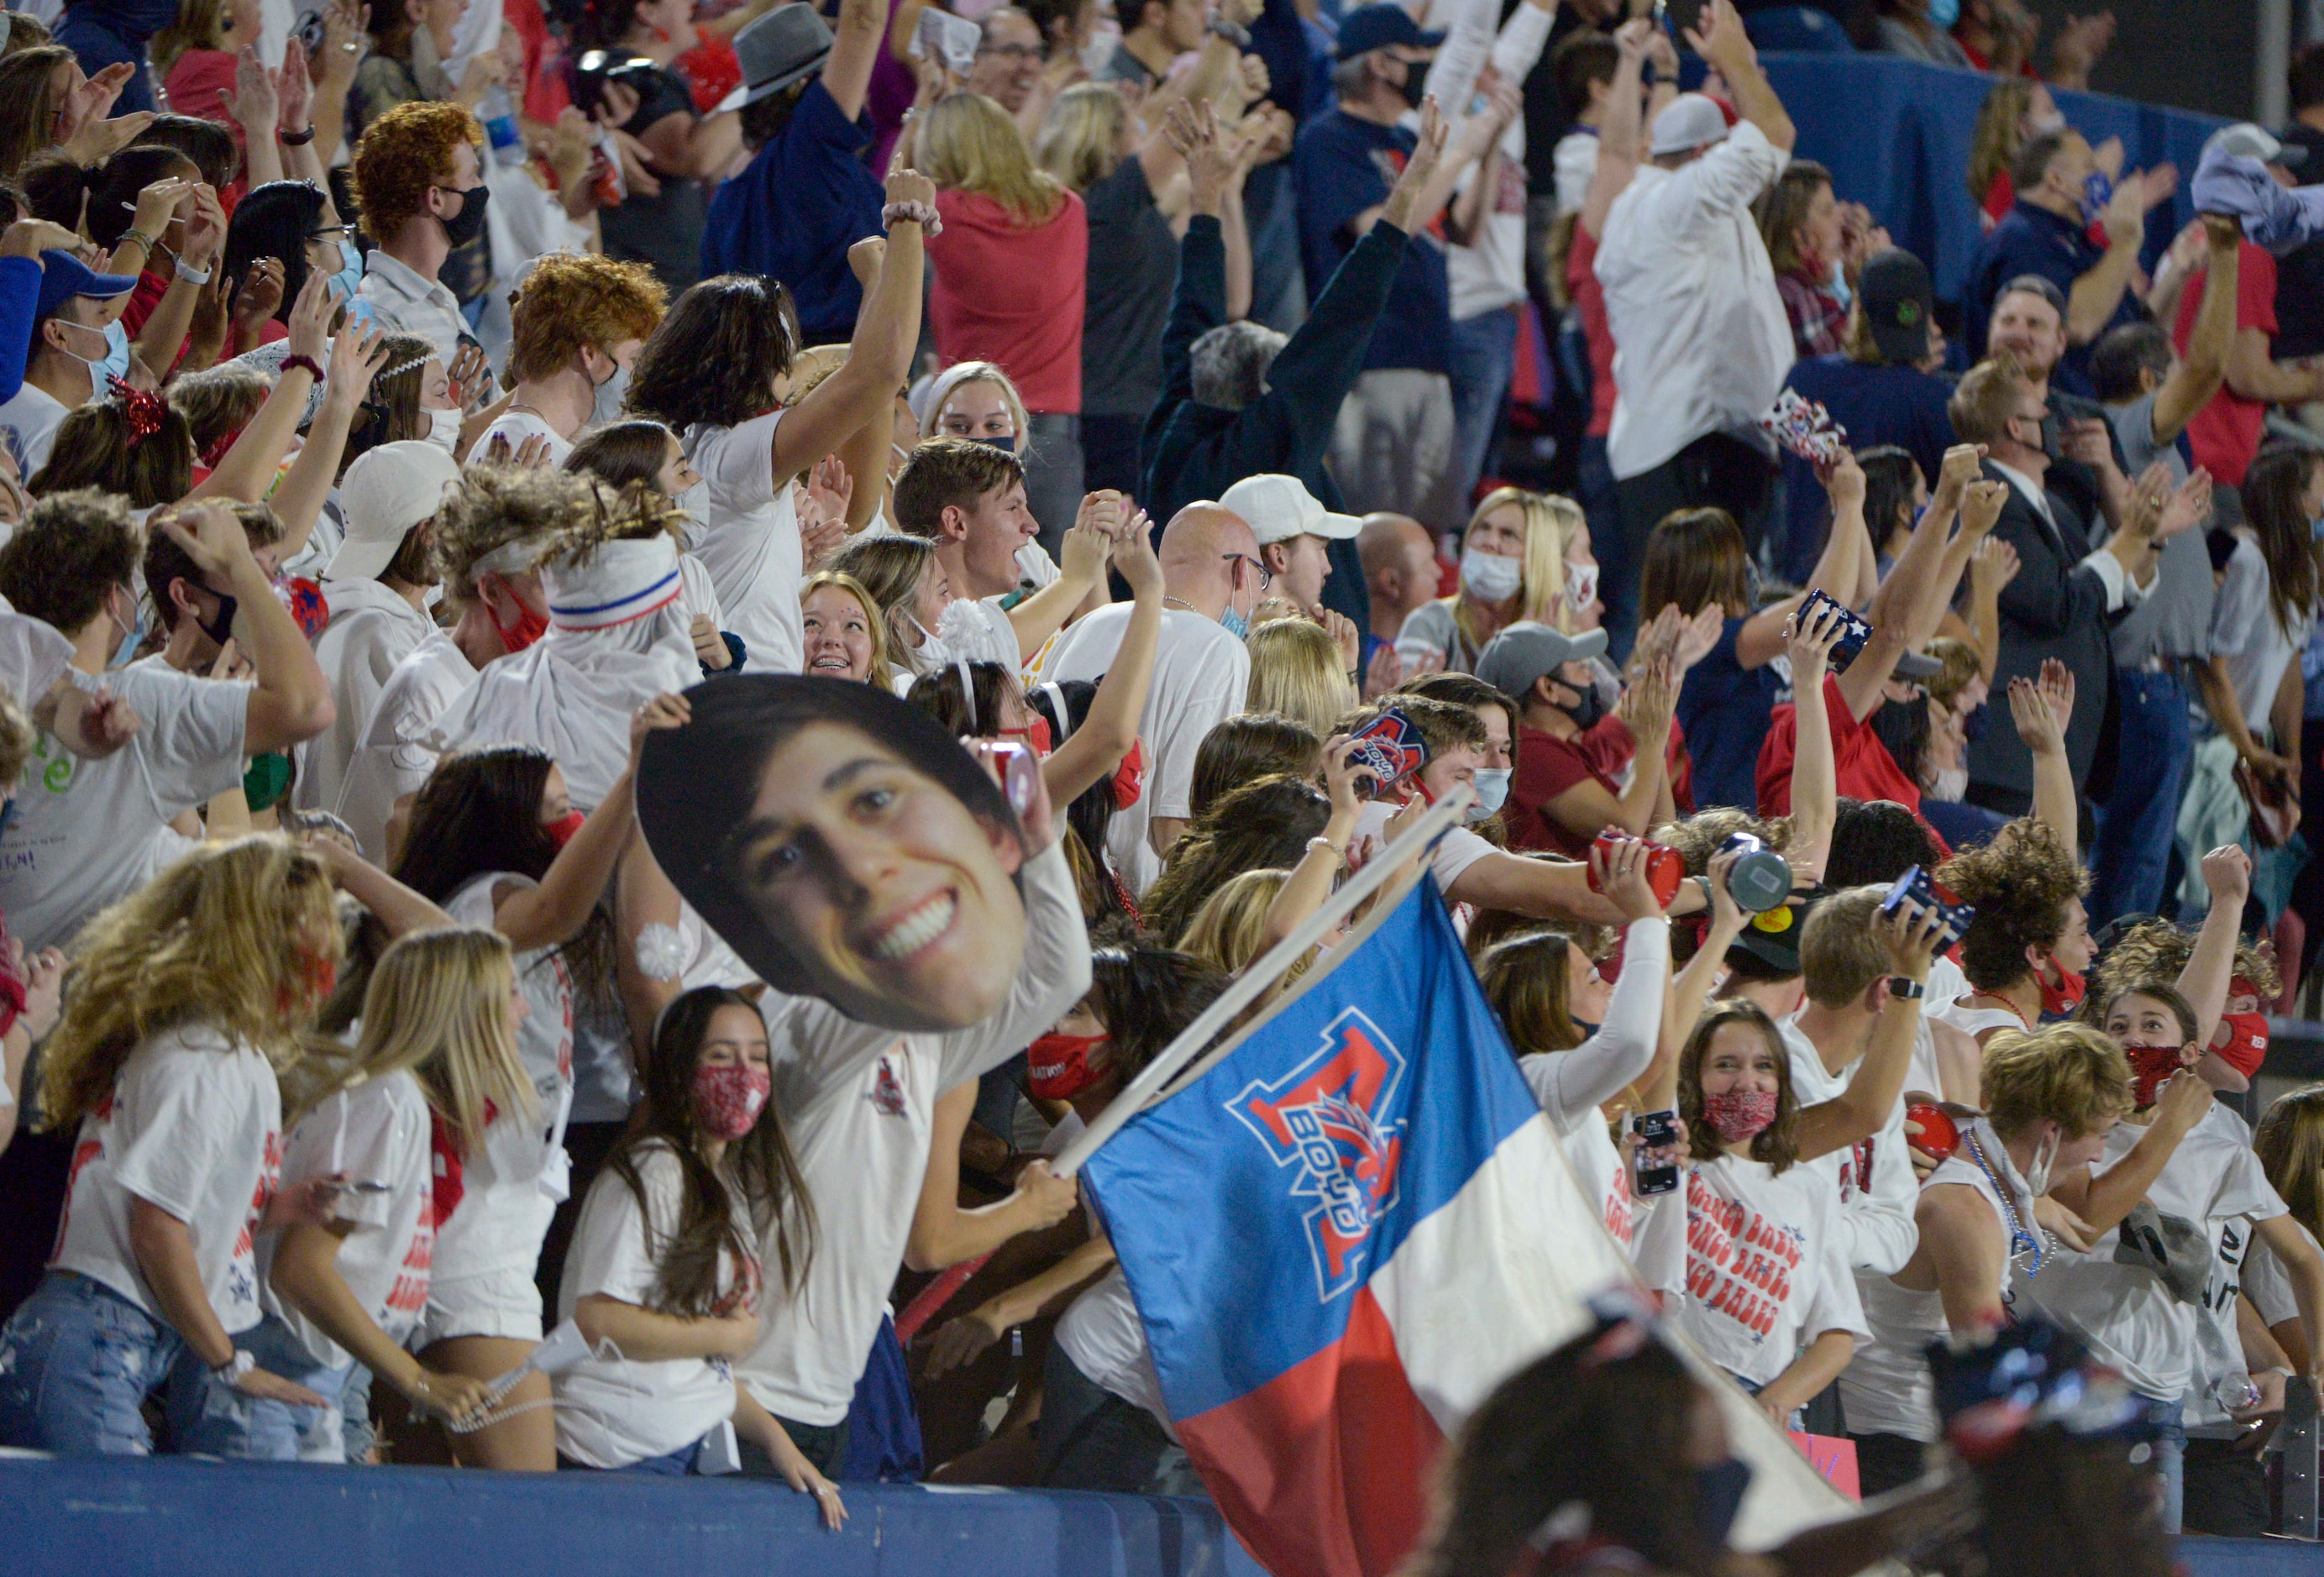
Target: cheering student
{"x": 495, "y": 840}
{"x": 436, "y": 1052}
{"x": 665, "y": 1278}
{"x": 187, "y": 995}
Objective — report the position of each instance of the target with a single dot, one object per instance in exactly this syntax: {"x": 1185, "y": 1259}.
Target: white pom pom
{"x": 661, "y": 951}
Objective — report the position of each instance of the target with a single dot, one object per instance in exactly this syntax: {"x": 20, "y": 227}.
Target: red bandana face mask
{"x": 2151, "y": 1066}
{"x": 530, "y": 626}
{"x": 1737, "y": 1115}
{"x": 1060, "y": 1068}
{"x": 563, "y": 830}
{"x": 727, "y": 1101}
{"x": 2066, "y": 995}
{"x": 1130, "y": 778}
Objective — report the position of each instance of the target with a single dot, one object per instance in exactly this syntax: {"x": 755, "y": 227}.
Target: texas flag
{"x": 1345, "y": 1231}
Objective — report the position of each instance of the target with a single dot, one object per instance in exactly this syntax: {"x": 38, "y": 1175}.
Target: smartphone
{"x": 1655, "y": 1130}
{"x": 1921, "y": 889}
{"x": 1391, "y": 749}
{"x": 1679, "y": 17}
{"x": 1020, "y": 774}
{"x": 1854, "y": 632}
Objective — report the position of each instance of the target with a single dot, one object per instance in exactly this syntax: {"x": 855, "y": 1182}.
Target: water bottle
{"x": 498, "y": 112}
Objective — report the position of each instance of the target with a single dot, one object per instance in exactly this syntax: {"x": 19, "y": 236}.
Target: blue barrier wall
{"x": 99, "y": 1518}
{"x": 1896, "y": 135}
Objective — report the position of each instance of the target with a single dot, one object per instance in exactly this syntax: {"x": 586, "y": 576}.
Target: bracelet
{"x": 924, "y": 215}
{"x": 1339, "y": 851}
{"x": 1234, "y": 32}
{"x": 189, "y": 272}
{"x": 233, "y": 1368}
{"x": 299, "y": 140}
{"x": 139, "y": 236}
{"x": 314, "y": 369}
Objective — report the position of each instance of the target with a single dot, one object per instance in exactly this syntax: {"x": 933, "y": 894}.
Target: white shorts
{"x": 499, "y": 1302}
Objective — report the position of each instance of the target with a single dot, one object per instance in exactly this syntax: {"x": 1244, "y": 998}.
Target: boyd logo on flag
{"x": 1325, "y": 1117}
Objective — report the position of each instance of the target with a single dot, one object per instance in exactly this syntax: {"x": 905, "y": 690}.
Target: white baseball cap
{"x": 1278, "y": 508}
{"x": 386, "y": 491}
{"x": 1688, "y": 122}
{"x": 2250, "y": 142}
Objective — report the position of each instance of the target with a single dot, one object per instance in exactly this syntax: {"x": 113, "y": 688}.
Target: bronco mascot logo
{"x": 1325, "y": 1116}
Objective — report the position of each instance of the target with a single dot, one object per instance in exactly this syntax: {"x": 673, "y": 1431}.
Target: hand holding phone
{"x": 1653, "y": 1162}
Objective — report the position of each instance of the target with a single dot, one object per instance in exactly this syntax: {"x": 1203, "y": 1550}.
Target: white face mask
{"x": 1097, "y": 52}
{"x": 1951, "y": 784}
{"x": 2037, "y": 1174}
{"x": 444, "y": 430}
{"x": 1490, "y": 575}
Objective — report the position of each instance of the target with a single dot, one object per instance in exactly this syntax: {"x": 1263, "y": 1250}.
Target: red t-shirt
{"x": 1546, "y": 768}
{"x": 1013, "y": 296}
{"x": 2225, "y": 434}
{"x": 151, "y": 288}
{"x": 1589, "y": 300}
{"x": 1864, "y": 768}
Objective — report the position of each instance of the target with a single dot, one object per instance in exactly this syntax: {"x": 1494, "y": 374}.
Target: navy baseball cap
{"x": 1378, "y": 25}
{"x": 64, "y": 276}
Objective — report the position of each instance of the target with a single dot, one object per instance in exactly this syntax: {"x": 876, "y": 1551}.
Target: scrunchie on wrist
{"x": 924, "y": 215}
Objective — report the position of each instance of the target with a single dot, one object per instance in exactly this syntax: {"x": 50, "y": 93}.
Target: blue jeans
{"x": 209, "y": 1419}
{"x": 1483, "y": 355}
{"x": 2170, "y": 1457}
{"x": 77, "y": 1362}
{"x": 2135, "y": 826}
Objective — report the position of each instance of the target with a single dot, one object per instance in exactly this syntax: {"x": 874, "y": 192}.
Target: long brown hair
{"x": 2272, "y": 489}
{"x": 1695, "y": 557}
{"x": 28, "y": 105}
{"x": 2289, "y": 1142}
{"x": 1778, "y": 1143}
{"x": 1526, "y": 980}
{"x": 760, "y": 1165}
{"x": 1993, "y": 145}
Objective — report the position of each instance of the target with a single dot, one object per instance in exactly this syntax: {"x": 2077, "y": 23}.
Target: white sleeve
{"x": 1523, "y": 38}
{"x": 1877, "y": 1226}
{"x": 610, "y": 1257}
{"x": 1570, "y": 1085}
{"x": 742, "y": 463}
{"x": 345, "y": 1134}
{"x": 1427, "y": 633}
{"x": 1658, "y": 1241}
{"x": 1452, "y": 76}
{"x": 1835, "y": 1307}
{"x": 1053, "y": 977}
{"x": 1723, "y": 182}
{"x": 32, "y": 657}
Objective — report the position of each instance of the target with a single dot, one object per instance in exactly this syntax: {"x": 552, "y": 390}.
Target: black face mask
{"x": 1586, "y": 711}
{"x": 1415, "y": 86}
{"x": 1717, "y": 1497}
{"x": 469, "y": 223}
{"x": 220, "y": 627}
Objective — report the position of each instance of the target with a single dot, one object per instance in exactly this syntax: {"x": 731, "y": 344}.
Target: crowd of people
{"x": 652, "y": 648}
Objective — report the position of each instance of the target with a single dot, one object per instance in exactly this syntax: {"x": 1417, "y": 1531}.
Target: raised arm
{"x": 2199, "y": 372}
{"x": 1913, "y": 938}
{"x": 1815, "y": 773}
{"x": 249, "y": 468}
{"x": 943, "y": 1233}
{"x": 2042, "y": 711}
{"x": 2090, "y": 304}
{"x": 1719, "y": 37}
{"x": 1761, "y": 639}
{"x": 1691, "y": 988}
{"x": 854, "y": 51}
{"x": 357, "y": 354}
{"x": 2104, "y": 1200}
{"x": 2211, "y": 966}
{"x": 1081, "y": 570}
{"x": 1571, "y": 1085}
{"x": 1091, "y": 752}
{"x": 291, "y": 701}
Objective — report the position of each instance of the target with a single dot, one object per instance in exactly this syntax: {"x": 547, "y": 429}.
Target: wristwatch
{"x": 1905, "y": 989}
{"x": 233, "y": 1368}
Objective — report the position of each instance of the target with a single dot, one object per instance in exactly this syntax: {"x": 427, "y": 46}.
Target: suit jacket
{"x": 2056, "y": 607}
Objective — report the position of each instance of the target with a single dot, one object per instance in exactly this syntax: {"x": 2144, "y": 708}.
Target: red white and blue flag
{"x": 1341, "y": 1237}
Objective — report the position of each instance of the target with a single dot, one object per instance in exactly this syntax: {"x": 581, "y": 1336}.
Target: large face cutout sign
{"x": 843, "y": 844}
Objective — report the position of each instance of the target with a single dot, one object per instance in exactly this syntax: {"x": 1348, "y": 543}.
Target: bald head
{"x": 1210, "y": 560}
{"x": 1399, "y": 559}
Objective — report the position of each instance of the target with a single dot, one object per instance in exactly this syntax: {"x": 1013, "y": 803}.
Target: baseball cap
{"x": 388, "y": 491}
{"x": 1520, "y": 654}
{"x": 1772, "y": 940}
{"x": 1898, "y": 299}
{"x": 1278, "y": 508}
{"x": 64, "y": 276}
{"x": 2247, "y": 141}
{"x": 1692, "y": 120}
{"x": 1378, "y": 25}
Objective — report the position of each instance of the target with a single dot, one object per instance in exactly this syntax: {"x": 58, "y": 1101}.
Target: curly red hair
{"x": 572, "y": 300}
{"x": 404, "y": 153}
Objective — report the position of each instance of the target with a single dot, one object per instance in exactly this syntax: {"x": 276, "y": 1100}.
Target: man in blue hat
{"x": 77, "y": 342}
{"x": 1393, "y": 447}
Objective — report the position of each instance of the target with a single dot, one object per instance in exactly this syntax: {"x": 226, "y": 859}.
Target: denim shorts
{"x": 211, "y": 1419}
{"x": 77, "y": 1362}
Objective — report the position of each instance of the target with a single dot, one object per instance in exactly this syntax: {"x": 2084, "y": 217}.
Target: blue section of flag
{"x": 1248, "y": 1207}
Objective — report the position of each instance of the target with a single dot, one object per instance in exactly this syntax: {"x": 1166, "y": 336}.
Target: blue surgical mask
{"x": 1493, "y": 792}
{"x": 2097, "y": 190}
{"x": 1943, "y": 13}
{"x": 1839, "y": 291}
{"x": 606, "y": 402}
{"x": 350, "y": 275}
{"x": 2316, "y": 528}
{"x": 7, "y": 815}
{"x": 1006, "y": 443}
{"x": 131, "y": 638}
{"x": 1235, "y": 624}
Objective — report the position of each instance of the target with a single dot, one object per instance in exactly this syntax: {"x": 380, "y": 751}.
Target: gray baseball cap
{"x": 1520, "y": 654}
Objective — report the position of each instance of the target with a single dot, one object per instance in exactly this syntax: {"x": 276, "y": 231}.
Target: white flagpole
{"x": 1441, "y": 817}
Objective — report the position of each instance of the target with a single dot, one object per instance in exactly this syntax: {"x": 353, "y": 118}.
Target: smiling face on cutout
{"x": 895, "y": 901}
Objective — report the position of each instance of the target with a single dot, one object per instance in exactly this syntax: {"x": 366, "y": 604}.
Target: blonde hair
{"x": 2000, "y": 132}
{"x": 2289, "y": 1142}
{"x": 1550, "y": 523}
{"x": 809, "y": 368}
{"x": 1230, "y": 930}
{"x": 230, "y": 937}
{"x": 1296, "y": 672}
{"x": 437, "y": 1006}
{"x": 969, "y": 143}
{"x": 1840, "y": 954}
{"x": 1961, "y": 665}
{"x": 959, "y": 376}
{"x": 1081, "y": 136}
{"x": 2071, "y": 1074}
{"x": 200, "y": 24}
{"x": 875, "y": 618}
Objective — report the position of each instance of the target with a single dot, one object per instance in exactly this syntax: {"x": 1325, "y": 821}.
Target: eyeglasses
{"x": 1266, "y": 575}
{"x": 1018, "y": 52}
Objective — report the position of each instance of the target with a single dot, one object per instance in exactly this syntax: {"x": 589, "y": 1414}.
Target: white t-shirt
{"x": 516, "y": 426}
{"x": 611, "y": 1413}
{"x": 194, "y": 1126}
{"x": 2121, "y": 1309}
{"x": 375, "y": 1132}
{"x": 2219, "y": 1347}
{"x": 747, "y": 534}
{"x": 2268, "y": 1284}
{"x": 28, "y": 427}
{"x": 1456, "y": 851}
{"x": 1945, "y": 984}
{"x": 1200, "y": 676}
{"x": 372, "y": 631}
{"x": 1873, "y": 1177}
{"x": 1766, "y": 1273}
{"x": 89, "y": 833}
{"x": 858, "y": 1103}
{"x": 1885, "y": 1388}
{"x": 1102, "y": 1334}
{"x": 394, "y": 758}
{"x": 512, "y": 1181}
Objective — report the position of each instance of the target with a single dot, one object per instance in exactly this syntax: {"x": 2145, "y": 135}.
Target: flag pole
{"x": 1441, "y": 817}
